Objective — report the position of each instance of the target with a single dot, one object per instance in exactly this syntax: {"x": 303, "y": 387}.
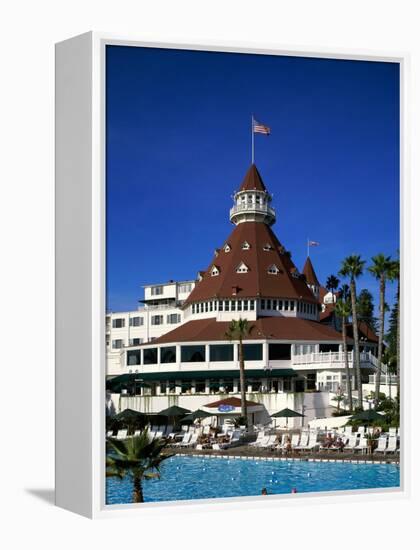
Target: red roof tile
{"x": 264, "y": 328}
{"x": 309, "y": 272}
{"x": 252, "y": 180}
{"x": 257, "y": 282}
{"x": 233, "y": 401}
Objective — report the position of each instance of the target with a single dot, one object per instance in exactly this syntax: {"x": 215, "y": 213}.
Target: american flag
{"x": 259, "y": 128}
{"x": 313, "y": 243}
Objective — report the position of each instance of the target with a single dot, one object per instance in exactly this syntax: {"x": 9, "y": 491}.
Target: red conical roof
{"x": 252, "y": 180}
{"x": 261, "y": 252}
{"x": 309, "y": 272}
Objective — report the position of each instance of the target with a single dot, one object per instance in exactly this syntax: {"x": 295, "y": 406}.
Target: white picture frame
{"x": 80, "y": 276}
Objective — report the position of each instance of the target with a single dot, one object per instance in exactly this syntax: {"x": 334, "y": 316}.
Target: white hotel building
{"x": 173, "y": 349}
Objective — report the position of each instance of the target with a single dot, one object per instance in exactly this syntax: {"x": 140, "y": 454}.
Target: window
{"x": 328, "y": 347}
{"x": 157, "y": 319}
{"x": 150, "y": 356}
{"x": 279, "y": 352}
{"x": 242, "y": 268}
{"x": 118, "y": 323}
{"x": 156, "y": 290}
{"x": 117, "y": 344}
{"x": 233, "y": 306}
{"x": 133, "y": 357}
{"x": 274, "y": 304}
{"x": 200, "y": 387}
{"x": 136, "y": 321}
{"x": 253, "y": 352}
{"x": 227, "y": 248}
{"x": 286, "y": 305}
{"x": 211, "y": 306}
{"x": 135, "y": 341}
{"x": 292, "y": 306}
{"x": 214, "y": 271}
{"x": 262, "y": 304}
{"x": 280, "y": 304}
{"x": 184, "y": 288}
{"x": 245, "y": 305}
{"x": 222, "y": 352}
{"x": 207, "y": 307}
{"x": 193, "y": 354}
{"x": 245, "y": 246}
{"x": 239, "y": 305}
{"x": 227, "y": 305}
{"x": 273, "y": 270}
{"x": 202, "y": 307}
{"x": 267, "y": 247}
{"x": 193, "y": 308}
{"x": 251, "y": 305}
{"x": 168, "y": 354}
{"x": 220, "y": 306}
{"x": 268, "y": 304}
{"x": 173, "y": 318}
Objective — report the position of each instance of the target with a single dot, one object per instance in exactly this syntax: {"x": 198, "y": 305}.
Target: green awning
{"x": 129, "y": 379}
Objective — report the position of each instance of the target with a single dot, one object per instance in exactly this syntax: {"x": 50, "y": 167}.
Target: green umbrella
{"x": 174, "y": 411}
{"x": 131, "y": 418}
{"x": 368, "y": 416}
{"x": 198, "y": 414}
{"x": 287, "y": 413}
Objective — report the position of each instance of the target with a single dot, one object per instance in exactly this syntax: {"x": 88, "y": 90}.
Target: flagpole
{"x": 252, "y": 139}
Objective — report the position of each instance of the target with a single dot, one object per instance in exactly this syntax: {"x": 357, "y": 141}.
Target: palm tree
{"x": 332, "y": 283}
{"x": 238, "y": 330}
{"x": 380, "y": 270}
{"x": 394, "y": 275}
{"x": 344, "y": 292}
{"x": 352, "y": 267}
{"x": 139, "y": 456}
{"x": 343, "y": 310}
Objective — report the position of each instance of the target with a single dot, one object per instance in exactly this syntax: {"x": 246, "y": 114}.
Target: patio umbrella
{"x": 367, "y": 416}
{"x": 287, "y": 413}
{"x": 198, "y": 414}
{"x": 174, "y": 411}
{"x": 131, "y": 418}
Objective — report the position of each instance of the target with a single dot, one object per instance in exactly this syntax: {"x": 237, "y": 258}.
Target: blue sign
{"x": 226, "y": 408}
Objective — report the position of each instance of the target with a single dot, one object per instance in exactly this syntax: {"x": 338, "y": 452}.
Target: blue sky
{"x": 178, "y": 145}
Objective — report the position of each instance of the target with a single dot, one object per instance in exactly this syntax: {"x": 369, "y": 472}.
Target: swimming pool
{"x": 186, "y": 477}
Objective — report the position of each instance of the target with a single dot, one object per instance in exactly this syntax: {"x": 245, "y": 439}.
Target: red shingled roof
{"x": 309, "y": 272}
{"x": 252, "y": 180}
{"x": 271, "y": 328}
{"x": 257, "y": 282}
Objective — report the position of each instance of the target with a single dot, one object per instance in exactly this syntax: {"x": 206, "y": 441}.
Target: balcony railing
{"x": 263, "y": 209}
{"x": 334, "y": 357}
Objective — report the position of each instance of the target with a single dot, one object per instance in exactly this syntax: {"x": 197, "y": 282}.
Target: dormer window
{"x": 216, "y": 252}
{"x": 267, "y": 247}
{"x": 214, "y": 271}
{"x": 246, "y": 245}
{"x": 242, "y": 268}
{"x": 200, "y": 276}
{"x": 227, "y": 247}
{"x": 273, "y": 270}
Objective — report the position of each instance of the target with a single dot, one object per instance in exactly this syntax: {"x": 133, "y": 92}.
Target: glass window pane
{"x": 223, "y": 352}
{"x": 279, "y": 352}
{"x": 253, "y": 352}
{"x": 168, "y": 355}
{"x": 193, "y": 354}
{"x": 150, "y": 356}
{"x": 133, "y": 357}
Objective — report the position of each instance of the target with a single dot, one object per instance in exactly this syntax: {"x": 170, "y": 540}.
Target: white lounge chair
{"x": 362, "y": 446}
{"x": 382, "y": 443}
{"x": 185, "y": 440}
{"x": 304, "y": 440}
{"x": 361, "y": 430}
{"x": 312, "y": 443}
{"x": 192, "y": 441}
{"x": 269, "y": 442}
{"x": 109, "y": 433}
{"x": 392, "y": 445}
{"x": 158, "y": 435}
{"x": 258, "y": 441}
{"x": 392, "y": 432}
{"x": 295, "y": 440}
{"x": 122, "y": 434}
{"x": 351, "y": 443}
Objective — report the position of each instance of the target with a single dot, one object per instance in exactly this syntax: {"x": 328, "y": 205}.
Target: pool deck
{"x": 254, "y": 453}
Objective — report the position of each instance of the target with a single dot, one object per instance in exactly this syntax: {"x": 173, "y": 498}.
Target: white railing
{"x": 386, "y": 380}
{"x": 264, "y": 209}
{"x": 332, "y": 357}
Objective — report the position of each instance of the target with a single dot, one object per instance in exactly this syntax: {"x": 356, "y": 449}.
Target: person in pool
{"x": 264, "y": 491}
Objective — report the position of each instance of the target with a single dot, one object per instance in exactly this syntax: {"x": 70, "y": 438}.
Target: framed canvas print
{"x": 229, "y": 259}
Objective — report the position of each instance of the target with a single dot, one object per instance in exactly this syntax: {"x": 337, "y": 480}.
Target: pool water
{"x": 185, "y": 478}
